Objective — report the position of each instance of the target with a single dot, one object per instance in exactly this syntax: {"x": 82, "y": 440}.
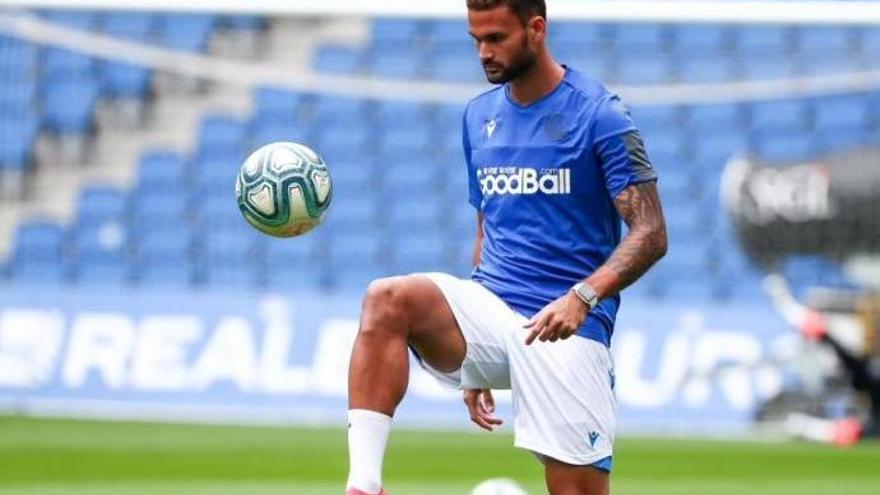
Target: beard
{"x": 500, "y": 74}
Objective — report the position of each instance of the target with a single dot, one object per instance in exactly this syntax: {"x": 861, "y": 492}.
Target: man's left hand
{"x": 558, "y": 320}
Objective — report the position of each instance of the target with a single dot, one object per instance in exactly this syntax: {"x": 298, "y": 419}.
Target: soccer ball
{"x": 284, "y": 189}
{"x": 498, "y": 486}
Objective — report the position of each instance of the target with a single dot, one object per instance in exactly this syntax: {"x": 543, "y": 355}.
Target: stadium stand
{"x": 400, "y": 188}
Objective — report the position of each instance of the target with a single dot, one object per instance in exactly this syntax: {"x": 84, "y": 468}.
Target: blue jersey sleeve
{"x": 475, "y": 196}
{"x": 619, "y": 148}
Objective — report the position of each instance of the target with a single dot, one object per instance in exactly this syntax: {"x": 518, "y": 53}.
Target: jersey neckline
{"x": 540, "y": 100}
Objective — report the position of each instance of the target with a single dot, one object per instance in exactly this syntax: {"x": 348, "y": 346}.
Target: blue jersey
{"x": 545, "y": 175}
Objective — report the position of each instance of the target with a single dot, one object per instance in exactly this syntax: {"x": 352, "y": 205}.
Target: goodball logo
{"x": 520, "y": 180}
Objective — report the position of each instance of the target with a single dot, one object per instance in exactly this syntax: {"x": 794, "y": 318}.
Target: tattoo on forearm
{"x": 645, "y": 243}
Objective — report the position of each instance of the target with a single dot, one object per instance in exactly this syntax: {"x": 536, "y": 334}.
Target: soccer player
{"x": 554, "y": 162}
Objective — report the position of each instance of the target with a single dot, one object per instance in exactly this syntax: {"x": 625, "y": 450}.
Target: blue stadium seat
{"x": 83, "y": 20}
{"x": 849, "y": 113}
{"x": 442, "y": 33}
{"x": 404, "y": 64}
{"x": 134, "y": 26}
{"x": 244, "y": 22}
{"x": 296, "y": 263}
{"x": 164, "y": 170}
{"x": 69, "y": 105}
{"x": 459, "y": 65}
{"x": 222, "y": 135}
{"x": 105, "y": 242}
{"x": 691, "y": 40}
{"x": 653, "y": 118}
{"x": 18, "y": 134}
{"x": 333, "y": 110}
{"x": 124, "y": 80}
{"x": 627, "y": 38}
{"x": 40, "y": 240}
{"x": 408, "y": 143}
{"x": 414, "y": 215}
{"x": 584, "y": 60}
{"x": 97, "y": 273}
{"x": 824, "y": 62}
{"x": 401, "y": 114}
{"x": 162, "y": 207}
{"x": 352, "y": 250}
{"x": 61, "y": 63}
{"x": 187, "y": 32}
{"x": 835, "y": 39}
{"x": 869, "y": 41}
{"x": 721, "y": 118}
{"x": 265, "y": 132}
{"x": 412, "y": 178}
{"x": 780, "y": 116}
{"x": 352, "y": 213}
{"x": 346, "y": 140}
{"x": 400, "y": 31}
{"x": 763, "y": 40}
{"x": 101, "y": 203}
{"x": 164, "y": 257}
{"x": 706, "y": 69}
{"x": 646, "y": 70}
{"x": 339, "y": 60}
{"x": 18, "y": 59}
{"x": 277, "y": 104}
{"x": 769, "y": 67}
{"x": 589, "y": 36}
{"x": 423, "y": 253}
{"x": 215, "y": 174}
{"x": 785, "y": 147}
{"x": 38, "y": 253}
{"x": 351, "y": 178}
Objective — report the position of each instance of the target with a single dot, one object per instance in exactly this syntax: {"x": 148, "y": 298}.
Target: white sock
{"x": 367, "y": 437}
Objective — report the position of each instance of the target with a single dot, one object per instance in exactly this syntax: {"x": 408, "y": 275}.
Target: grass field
{"x": 98, "y": 458}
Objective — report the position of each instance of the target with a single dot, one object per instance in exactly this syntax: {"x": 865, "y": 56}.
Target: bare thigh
{"x": 566, "y": 479}
{"x": 432, "y": 330}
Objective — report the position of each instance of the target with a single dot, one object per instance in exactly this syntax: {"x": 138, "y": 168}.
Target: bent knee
{"x": 385, "y": 303}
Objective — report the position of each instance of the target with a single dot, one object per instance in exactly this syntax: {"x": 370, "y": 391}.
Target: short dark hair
{"x": 524, "y": 9}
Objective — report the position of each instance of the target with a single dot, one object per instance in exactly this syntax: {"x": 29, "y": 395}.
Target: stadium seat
{"x": 163, "y": 257}
{"x": 830, "y": 39}
{"x": 442, "y": 33}
{"x": 164, "y": 170}
{"x": 785, "y": 147}
{"x": 628, "y": 38}
{"x": 215, "y": 173}
{"x": 422, "y": 253}
{"x": 721, "y": 118}
{"x": 265, "y": 132}
{"x": 61, "y": 63}
{"x": 18, "y": 134}
{"x": 123, "y": 80}
{"x": 763, "y": 40}
{"x": 133, "y": 26}
{"x": 780, "y": 116}
{"x": 277, "y": 105}
{"x": 689, "y": 41}
{"x": 296, "y": 263}
{"x": 655, "y": 69}
{"x": 710, "y": 68}
{"x": 222, "y": 135}
{"x": 339, "y": 60}
{"x": 398, "y": 31}
{"x": 83, "y": 20}
{"x": 187, "y": 32}
{"x": 652, "y": 118}
{"x": 70, "y": 104}
{"x": 101, "y": 203}
{"x": 589, "y": 36}
{"x": 849, "y": 113}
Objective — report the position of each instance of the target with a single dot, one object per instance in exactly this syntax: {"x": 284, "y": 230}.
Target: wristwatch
{"x": 586, "y": 293}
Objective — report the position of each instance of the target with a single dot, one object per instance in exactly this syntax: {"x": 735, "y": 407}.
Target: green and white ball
{"x": 284, "y": 189}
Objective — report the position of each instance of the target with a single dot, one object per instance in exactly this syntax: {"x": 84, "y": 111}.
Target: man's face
{"x": 506, "y": 47}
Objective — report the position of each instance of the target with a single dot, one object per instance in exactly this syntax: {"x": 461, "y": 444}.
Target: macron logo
{"x": 524, "y": 181}
{"x": 593, "y": 437}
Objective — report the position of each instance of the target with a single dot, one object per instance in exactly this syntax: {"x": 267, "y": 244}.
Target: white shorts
{"x": 563, "y": 392}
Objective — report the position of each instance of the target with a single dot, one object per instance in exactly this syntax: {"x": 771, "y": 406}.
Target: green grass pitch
{"x": 100, "y": 458}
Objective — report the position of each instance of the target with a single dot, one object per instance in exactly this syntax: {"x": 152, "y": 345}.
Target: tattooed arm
{"x": 644, "y": 244}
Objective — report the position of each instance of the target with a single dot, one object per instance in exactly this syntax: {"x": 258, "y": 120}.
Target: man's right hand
{"x": 481, "y": 407}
